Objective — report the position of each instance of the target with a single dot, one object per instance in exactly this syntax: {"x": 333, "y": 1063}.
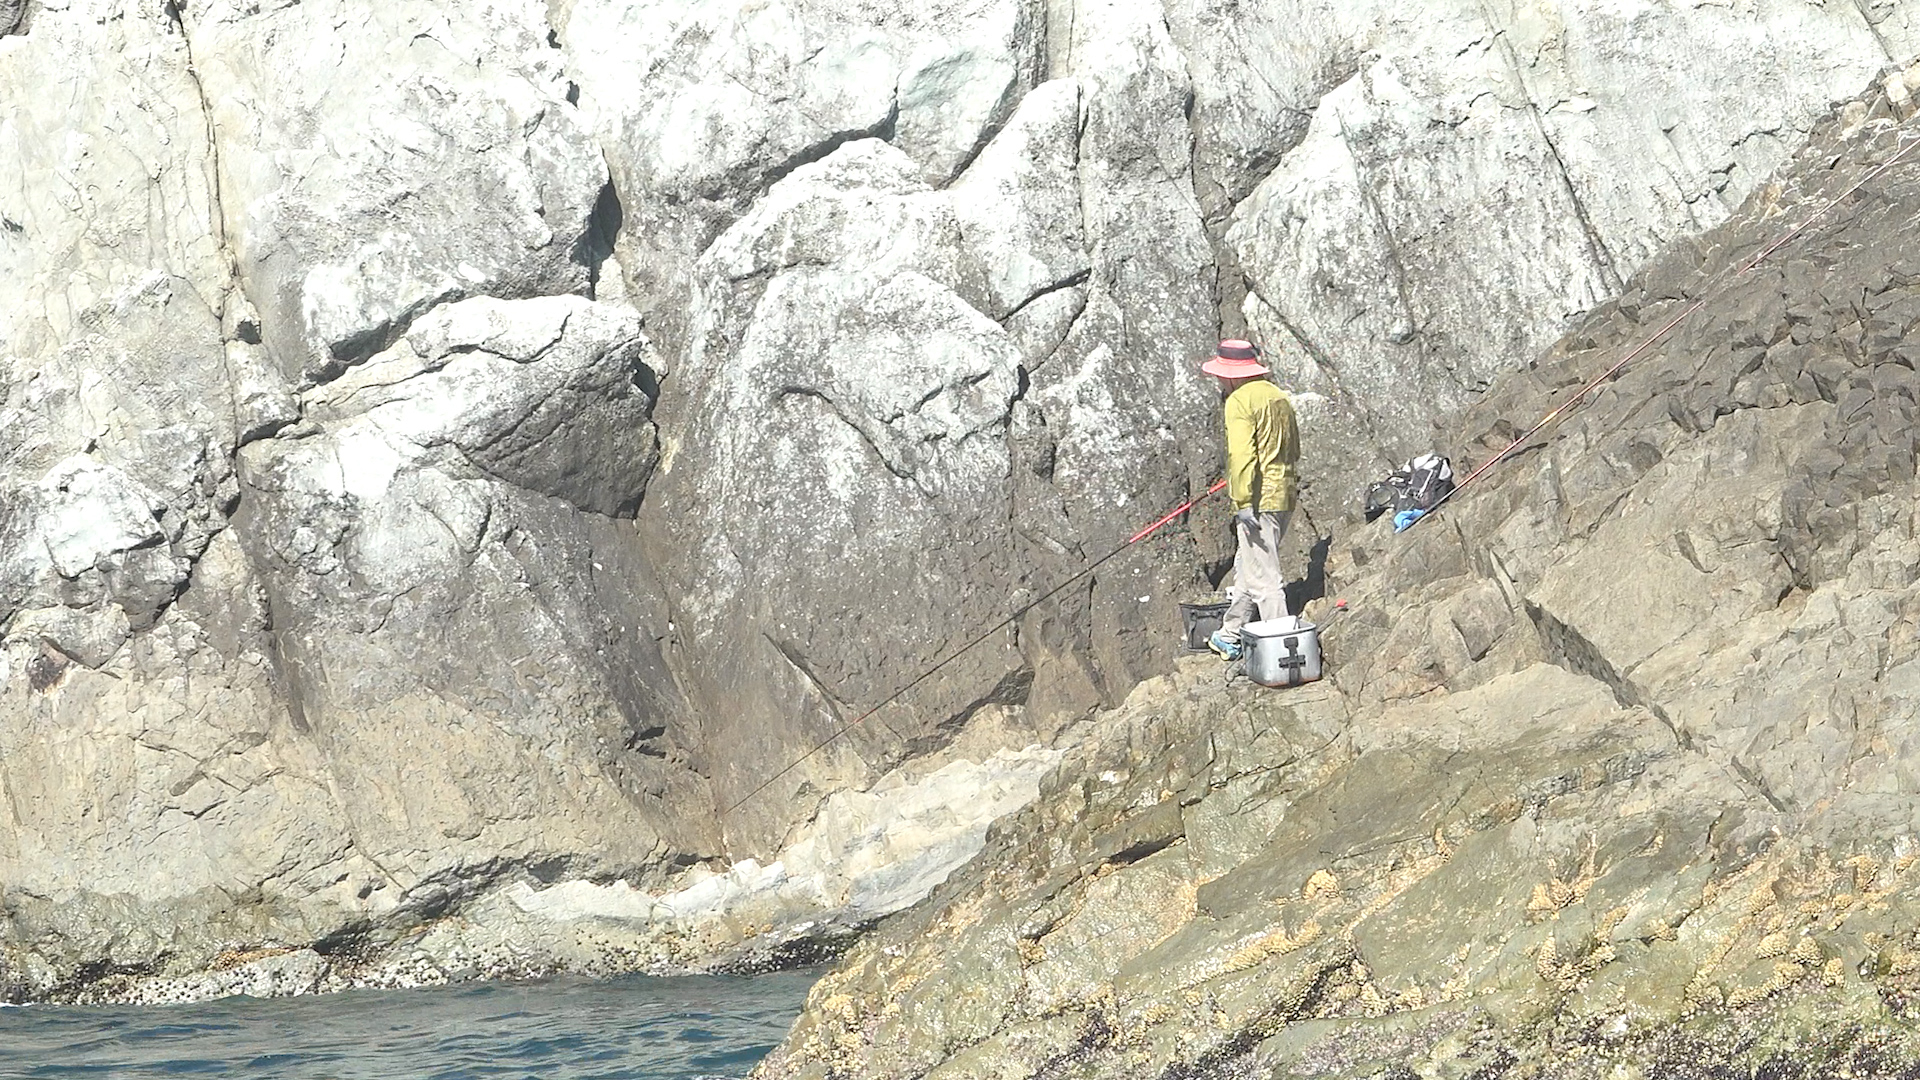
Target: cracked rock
{"x": 1662, "y": 825}
{"x": 334, "y": 191}
{"x": 452, "y": 449}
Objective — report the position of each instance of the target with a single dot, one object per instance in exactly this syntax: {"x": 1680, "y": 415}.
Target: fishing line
{"x": 1661, "y": 333}
{"x": 988, "y": 633}
{"x": 1481, "y": 470}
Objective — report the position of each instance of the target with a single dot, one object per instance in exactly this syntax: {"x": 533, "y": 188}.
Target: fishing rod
{"x": 1658, "y": 335}
{"x": 988, "y": 633}
{"x": 1479, "y": 471}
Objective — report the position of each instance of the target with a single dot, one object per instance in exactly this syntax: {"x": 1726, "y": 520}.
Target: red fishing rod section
{"x": 1174, "y": 513}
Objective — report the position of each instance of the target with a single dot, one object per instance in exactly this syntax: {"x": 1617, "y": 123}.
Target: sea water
{"x": 565, "y": 1029}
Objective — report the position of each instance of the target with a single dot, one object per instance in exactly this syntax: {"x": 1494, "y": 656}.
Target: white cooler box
{"x": 1282, "y": 652}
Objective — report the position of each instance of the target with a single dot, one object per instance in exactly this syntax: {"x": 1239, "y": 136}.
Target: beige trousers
{"x": 1256, "y": 572}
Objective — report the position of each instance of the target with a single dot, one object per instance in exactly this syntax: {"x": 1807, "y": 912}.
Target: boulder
{"x": 849, "y": 320}
{"x": 841, "y": 437}
{"x": 450, "y": 592}
{"x": 702, "y": 106}
{"x": 335, "y": 193}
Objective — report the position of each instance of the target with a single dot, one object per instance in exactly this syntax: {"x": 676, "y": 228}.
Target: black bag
{"x": 1416, "y": 485}
{"x": 1382, "y": 494}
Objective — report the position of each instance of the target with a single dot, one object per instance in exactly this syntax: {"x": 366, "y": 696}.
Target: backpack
{"x": 1416, "y": 485}
{"x": 1429, "y": 479}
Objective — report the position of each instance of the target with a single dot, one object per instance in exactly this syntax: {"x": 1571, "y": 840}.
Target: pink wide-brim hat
{"x": 1235, "y": 360}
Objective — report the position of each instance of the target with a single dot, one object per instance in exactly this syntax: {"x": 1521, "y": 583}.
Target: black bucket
{"x": 1201, "y": 620}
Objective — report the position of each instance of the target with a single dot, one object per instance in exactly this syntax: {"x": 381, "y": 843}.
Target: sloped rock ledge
{"x": 1614, "y": 776}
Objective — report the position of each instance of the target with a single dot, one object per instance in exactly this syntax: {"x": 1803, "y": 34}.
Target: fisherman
{"x": 1263, "y": 444}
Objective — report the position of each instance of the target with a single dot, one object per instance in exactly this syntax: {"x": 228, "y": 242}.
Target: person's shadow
{"x": 1311, "y": 587}
{"x": 1314, "y": 585}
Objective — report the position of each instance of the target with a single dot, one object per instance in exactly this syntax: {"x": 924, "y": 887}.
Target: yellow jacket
{"x": 1263, "y": 443}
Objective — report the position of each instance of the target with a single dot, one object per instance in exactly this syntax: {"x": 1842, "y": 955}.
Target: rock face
{"x": 350, "y": 137}
{"x": 455, "y": 451}
{"x": 1614, "y": 775}
{"x": 1383, "y": 250}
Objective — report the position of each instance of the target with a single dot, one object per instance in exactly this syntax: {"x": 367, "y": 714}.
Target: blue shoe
{"x": 1225, "y": 643}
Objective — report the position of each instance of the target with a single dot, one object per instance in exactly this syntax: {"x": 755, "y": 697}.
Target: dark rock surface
{"x": 1614, "y": 776}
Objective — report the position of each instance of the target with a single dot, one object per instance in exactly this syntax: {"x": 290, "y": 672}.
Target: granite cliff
{"x": 451, "y": 453}
{"x": 1615, "y": 772}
